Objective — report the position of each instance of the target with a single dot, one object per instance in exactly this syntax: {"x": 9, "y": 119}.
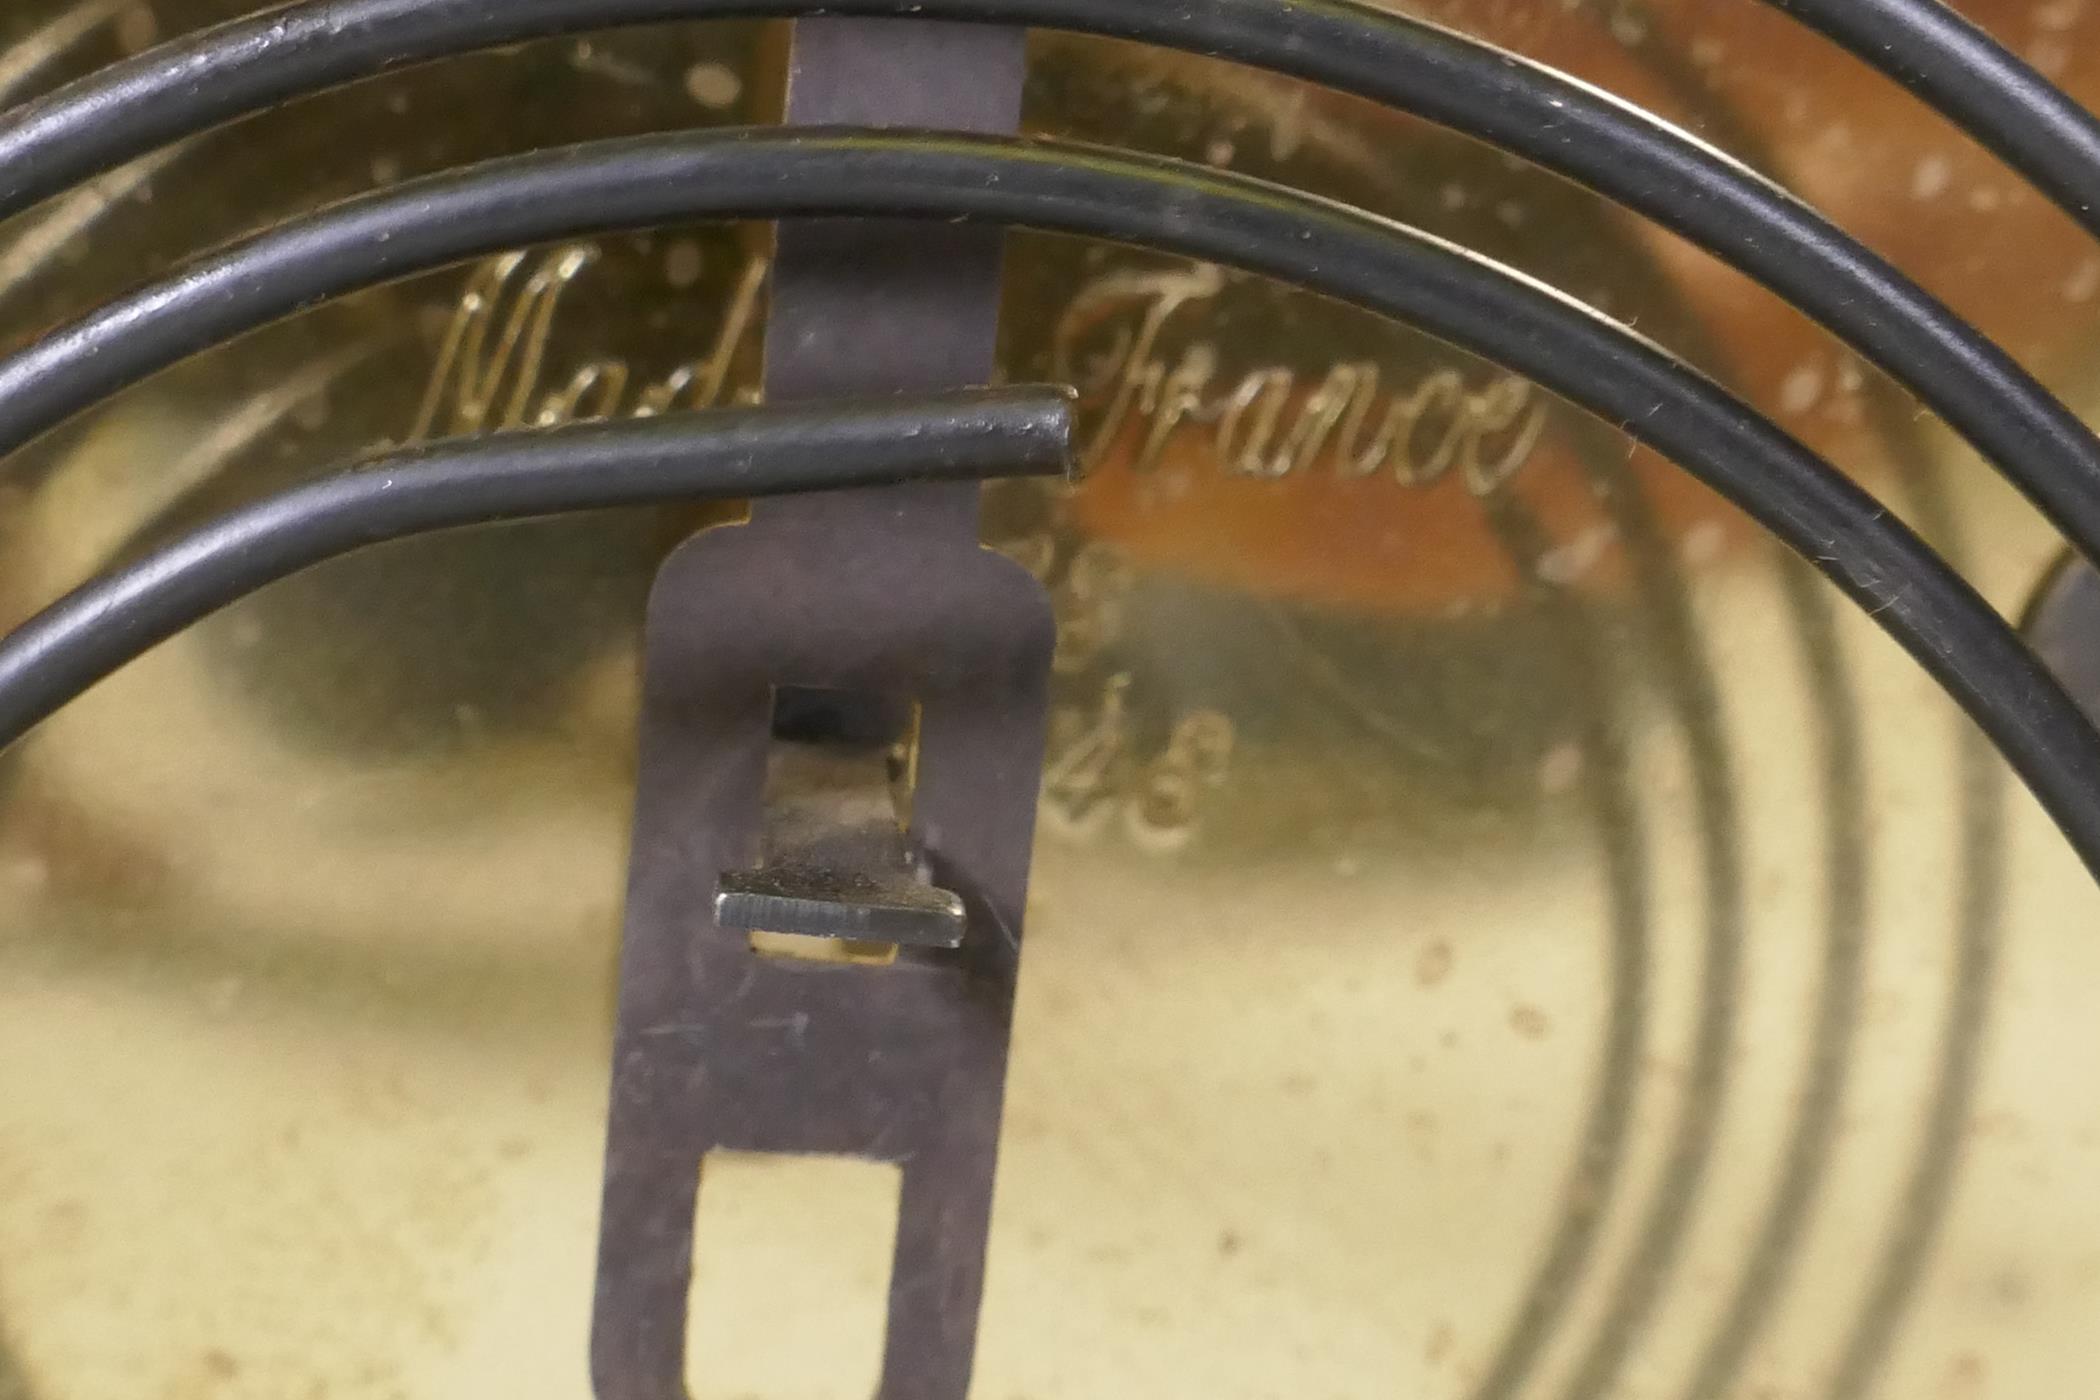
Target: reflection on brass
{"x": 1498, "y": 932}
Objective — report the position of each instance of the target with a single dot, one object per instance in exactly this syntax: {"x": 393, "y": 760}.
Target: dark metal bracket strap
{"x": 874, "y": 593}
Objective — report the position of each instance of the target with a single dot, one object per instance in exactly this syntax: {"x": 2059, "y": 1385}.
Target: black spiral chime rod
{"x": 1560, "y": 123}
{"x": 1167, "y": 205}
{"x": 718, "y": 455}
{"x": 1986, "y": 89}
{"x": 1435, "y": 74}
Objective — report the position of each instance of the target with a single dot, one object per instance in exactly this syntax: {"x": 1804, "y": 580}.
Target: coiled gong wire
{"x": 182, "y": 88}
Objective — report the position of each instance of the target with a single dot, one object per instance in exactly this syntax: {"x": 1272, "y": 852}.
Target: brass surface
{"x": 1497, "y": 932}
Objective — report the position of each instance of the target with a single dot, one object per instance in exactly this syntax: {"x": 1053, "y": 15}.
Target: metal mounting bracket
{"x": 722, "y": 1045}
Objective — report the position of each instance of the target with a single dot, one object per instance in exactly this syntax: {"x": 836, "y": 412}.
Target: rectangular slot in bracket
{"x": 791, "y": 1276}
{"x": 838, "y": 866}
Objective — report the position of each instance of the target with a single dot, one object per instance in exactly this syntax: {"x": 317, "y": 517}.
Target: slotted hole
{"x": 791, "y": 1277}
{"x": 850, "y": 752}
{"x": 800, "y": 947}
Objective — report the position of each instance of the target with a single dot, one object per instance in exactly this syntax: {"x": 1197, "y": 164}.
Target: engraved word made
{"x": 492, "y": 372}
